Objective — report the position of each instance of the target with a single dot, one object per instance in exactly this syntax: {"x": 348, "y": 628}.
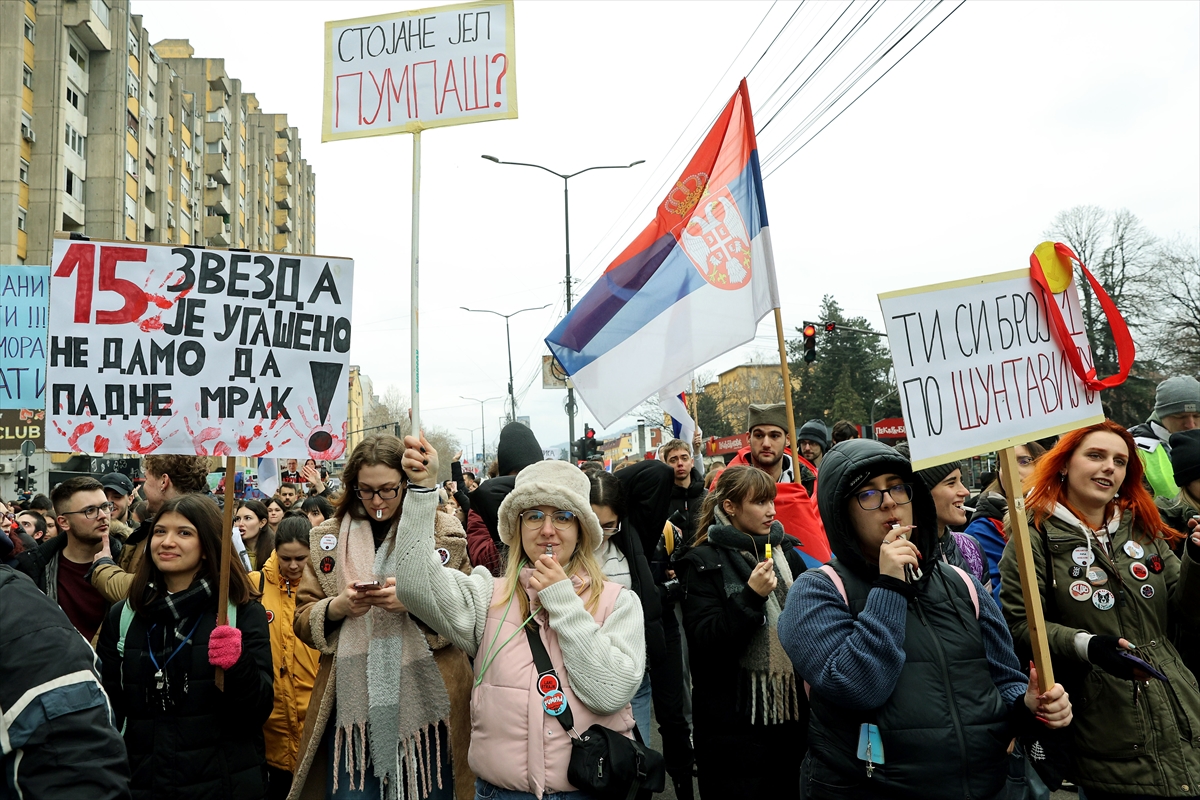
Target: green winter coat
{"x": 1151, "y": 747}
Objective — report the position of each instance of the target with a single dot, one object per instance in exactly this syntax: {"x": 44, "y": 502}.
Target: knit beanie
{"x": 551, "y": 483}
{"x": 930, "y": 476}
{"x": 1185, "y": 456}
{"x": 767, "y": 414}
{"x": 814, "y": 431}
{"x": 1178, "y": 395}
{"x": 518, "y": 448}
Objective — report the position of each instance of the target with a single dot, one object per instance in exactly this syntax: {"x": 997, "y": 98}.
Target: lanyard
{"x": 150, "y": 647}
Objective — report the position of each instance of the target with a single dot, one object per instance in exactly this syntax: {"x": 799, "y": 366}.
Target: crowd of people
{"x": 818, "y": 621}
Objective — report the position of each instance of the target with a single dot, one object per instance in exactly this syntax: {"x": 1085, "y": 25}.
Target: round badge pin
{"x": 1138, "y": 570}
{"x": 1097, "y": 576}
{"x": 1146, "y": 590}
{"x": 444, "y": 555}
{"x": 555, "y": 703}
{"x": 1103, "y": 599}
{"x": 327, "y": 564}
{"x": 1133, "y": 549}
{"x": 1083, "y": 556}
{"x": 1081, "y": 590}
{"x": 270, "y": 616}
{"x": 547, "y": 684}
{"x": 1076, "y": 571}
{"x": 328, "y": 541}
{"x": 1155, "y": 563}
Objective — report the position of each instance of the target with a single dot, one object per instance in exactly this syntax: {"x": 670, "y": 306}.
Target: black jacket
{"x": 63, "y": 744}
{"x": 209, "y": 745}
{"x": 684, "y": 509}
{"x": 646, "y": 487}
{"x": 35, "y": 563}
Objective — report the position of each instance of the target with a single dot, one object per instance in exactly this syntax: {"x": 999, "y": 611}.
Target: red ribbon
{"x": 1120, "y": 330}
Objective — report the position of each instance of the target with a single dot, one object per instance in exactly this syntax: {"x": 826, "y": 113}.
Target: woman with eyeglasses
{"x": 915, "y": 689}
{"x": 390, "y": 705}
{"x": 591, "y": 629}
{"x": 747, "y": 704}
{"x": 991, "y": 510}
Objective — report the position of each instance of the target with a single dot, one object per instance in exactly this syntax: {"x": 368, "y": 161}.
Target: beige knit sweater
{"x": 606, "y": 663}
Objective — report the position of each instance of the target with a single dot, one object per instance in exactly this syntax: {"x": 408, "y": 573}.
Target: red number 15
{"x": 83, "y": 256}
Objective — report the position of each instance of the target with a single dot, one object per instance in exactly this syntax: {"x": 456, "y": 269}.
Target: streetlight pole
{"x": 511, "y": 394}
{"x": 472, "y": 432}
{"x": 567, "y": 237}
{"x": 482, "y": 424}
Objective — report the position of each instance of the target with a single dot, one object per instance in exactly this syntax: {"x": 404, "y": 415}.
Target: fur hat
{"x": 1178, "y": 395}
{"x": 767, "y": 414}
{"x": 1185, "y": 456}
{"x": 550, "y": 483}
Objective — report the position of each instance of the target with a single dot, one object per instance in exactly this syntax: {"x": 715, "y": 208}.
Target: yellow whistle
{"x": 768, "y": 551}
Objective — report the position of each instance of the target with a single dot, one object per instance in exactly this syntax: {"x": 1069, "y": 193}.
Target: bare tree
{"x": 1175, "y": 309}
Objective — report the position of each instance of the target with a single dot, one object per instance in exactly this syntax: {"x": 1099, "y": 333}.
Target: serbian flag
{"x": 691, "y": 286}
{"x": 675, "y": 403}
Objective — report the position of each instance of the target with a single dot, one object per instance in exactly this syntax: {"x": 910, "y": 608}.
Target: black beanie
{"x": 1185, "y": 456}
{"x": 931, "y": 476}
{"x": 518, "y": 448}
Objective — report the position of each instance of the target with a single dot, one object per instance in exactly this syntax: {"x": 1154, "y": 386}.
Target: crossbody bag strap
{"x": 541, "y": 660}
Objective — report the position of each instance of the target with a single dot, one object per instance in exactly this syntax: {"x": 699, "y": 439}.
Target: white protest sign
{"x": 412, "y": 70}
{"x": 166, "y": 349}
{"x": 978, "y": 368}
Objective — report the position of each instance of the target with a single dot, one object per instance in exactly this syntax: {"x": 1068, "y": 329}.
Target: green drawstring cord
{"x": 489, "y": 657}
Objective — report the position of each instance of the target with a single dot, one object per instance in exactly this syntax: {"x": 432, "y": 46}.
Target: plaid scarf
{"x": 173, "y": 610}
{"x": 767, "y": 683}
{"x": 381, "y": 658}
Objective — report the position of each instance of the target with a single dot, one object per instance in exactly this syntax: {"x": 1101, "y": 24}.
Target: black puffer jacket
{"x": 209, "y": 744}
{"x": 684, "y": 510}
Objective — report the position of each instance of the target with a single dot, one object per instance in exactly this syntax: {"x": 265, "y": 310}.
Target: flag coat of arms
{"x": 691, "y": 286}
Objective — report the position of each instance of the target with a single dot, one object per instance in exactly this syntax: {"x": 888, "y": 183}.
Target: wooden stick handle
{"x": 1018, "y": 531}
{"x": 226, "y": 555}
{"x": 787, "y": 397}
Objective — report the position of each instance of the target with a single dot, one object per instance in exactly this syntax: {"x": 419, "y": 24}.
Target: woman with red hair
{"x": 1111, "y": 587}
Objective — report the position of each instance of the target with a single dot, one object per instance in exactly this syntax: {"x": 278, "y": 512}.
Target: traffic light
{"x": 810, "y": 343}
{"x": 830, "y": 327}
{"x": 591, "y": 446}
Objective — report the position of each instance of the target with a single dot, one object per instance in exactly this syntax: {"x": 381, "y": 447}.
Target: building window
{"x": 149, "y": 163}
{"x": 29, "y": 29}
{"x": 27, "y": 76}
{"x": 100, "y": 9}
{"x": 133, "y": 44}
{"x": 74, "y": 98}
{"x": 78, "y": 57}
{"x": 131, "y": 164}
{"x": 76, "y": 142}
{"x": 21, "y": 218}
{"x": 74, "y": 186}
{"x": 131, "y": 123}
{"x": 24, "y": 171}
{"x": 131, "y": 83}
{"x": 130, "y": 207}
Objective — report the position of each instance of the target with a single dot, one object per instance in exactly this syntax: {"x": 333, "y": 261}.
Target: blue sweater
{"x": 856, "y": 662}
{"x": 993, "y": 543}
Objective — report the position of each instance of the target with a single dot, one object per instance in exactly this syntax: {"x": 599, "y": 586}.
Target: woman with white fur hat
{"x": 591, "y": 628}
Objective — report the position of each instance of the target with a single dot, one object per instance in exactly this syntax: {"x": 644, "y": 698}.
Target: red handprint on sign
{"x": 258, "y": 442}
{"x": 322, "y": 443}
{"x": 99, "y": 444}
{"x": 136, "y": 438}
{"x": 201, "y": 439}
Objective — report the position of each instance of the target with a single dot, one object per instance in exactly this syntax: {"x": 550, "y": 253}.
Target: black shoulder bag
{"x": 604, "y": 763}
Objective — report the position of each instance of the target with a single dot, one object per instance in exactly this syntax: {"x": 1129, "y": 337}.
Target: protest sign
{"x": 412, "y": 70}
{"x": 24, "y": 297}
{"x": 979, "y": 368}
{"x": 165, "y": 349}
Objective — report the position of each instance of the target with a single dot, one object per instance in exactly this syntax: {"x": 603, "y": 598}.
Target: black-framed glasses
{"x": 535, "y": 518}
{"x": 91, "y": 512}
{"x": 872, "y": 499}
{"x": 1024, "y": 461}
{"x": 386, "y": 493}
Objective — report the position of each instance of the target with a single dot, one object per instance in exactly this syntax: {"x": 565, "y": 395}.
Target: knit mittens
{"x": 224, "y": 646}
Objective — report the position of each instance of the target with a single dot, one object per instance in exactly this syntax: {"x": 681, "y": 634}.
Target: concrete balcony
{"x": 149, "y": 218}
{"x": 279, "y": 243}
{"x": 283, "y": 150}
{"x": 90, "y": 21}
{"x": 283, "y": 220}
{"x": 283, "y": 197}
{"x": 216, "y": 131}
{"x": 216, "y": 231}
{"x": 216, "y": 166}
{"x": 283, "y": 173}
{"x": 217, "y": 199}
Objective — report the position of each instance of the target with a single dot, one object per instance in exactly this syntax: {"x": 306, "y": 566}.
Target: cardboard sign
{"x": 164, "y": 349}
{"x": 412, "y": 70}
{"x": 978, "y": 368}
{"x": 24, "y": 301}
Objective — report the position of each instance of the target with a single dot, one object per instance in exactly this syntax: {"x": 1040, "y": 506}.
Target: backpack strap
{"x": 962, "y": 573}
{"x": 832, "y": 574}
{"x": 126, "y": 621}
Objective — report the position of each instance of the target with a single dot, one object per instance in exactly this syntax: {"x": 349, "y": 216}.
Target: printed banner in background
{"x": 164, "y": 349}
{"x": 979, "y": 369}
{"x": 24, "y": 304}
{"x": 408, "y": 71}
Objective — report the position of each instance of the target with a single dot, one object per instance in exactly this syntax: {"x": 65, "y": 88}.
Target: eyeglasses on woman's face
{"x": 386, "y": 493}
{"x": 535, "y": 518}
{"x": 872, "y": 499}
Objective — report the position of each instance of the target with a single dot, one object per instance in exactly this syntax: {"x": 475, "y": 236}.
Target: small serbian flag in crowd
{"x": 691, "y": 286}
{"x": 682, "y": 425}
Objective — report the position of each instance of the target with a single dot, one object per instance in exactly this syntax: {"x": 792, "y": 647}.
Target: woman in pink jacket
{"x": 591, "y": 628}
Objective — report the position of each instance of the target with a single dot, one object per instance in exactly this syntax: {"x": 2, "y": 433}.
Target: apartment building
{"x": 105, "y": 134}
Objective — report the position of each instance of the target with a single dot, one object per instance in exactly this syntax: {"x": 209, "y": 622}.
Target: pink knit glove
{"x": 224, "y": 646}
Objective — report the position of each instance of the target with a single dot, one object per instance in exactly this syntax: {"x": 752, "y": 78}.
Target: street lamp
{"x": 482, "y": 424}
{"x": 472, "y": 432}
{"x": 567, "y": 238}
{"x": 511, "y": 396}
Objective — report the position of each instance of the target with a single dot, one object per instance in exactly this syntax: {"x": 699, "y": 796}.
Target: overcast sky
{"x": 952, "y": 165}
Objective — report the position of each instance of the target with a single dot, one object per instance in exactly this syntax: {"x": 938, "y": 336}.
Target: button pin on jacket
{"x": 1138, "y": 570}
{"x": 1133, "y": 549}
{"x": 1083, "y": 556}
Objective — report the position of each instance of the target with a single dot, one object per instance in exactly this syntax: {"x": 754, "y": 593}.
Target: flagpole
{"x": 414, "y": 286}
{"x": 787, "y": 395}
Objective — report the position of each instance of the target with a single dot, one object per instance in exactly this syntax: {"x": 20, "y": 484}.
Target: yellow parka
{"x": 295, "y": 667}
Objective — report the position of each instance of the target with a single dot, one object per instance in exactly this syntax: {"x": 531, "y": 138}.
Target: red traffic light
{"x": 830, "y": 327}
{"x": 589, "y": 433}
{"x": 810, "y": 330}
